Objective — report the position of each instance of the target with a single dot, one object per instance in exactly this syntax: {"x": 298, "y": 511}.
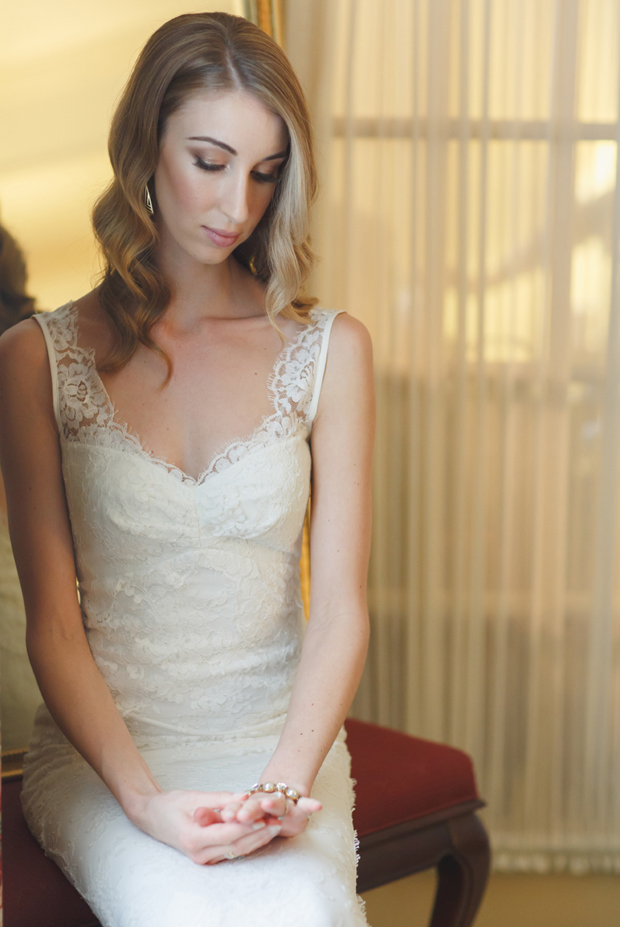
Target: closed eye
{"x": 214, "y": 166}
{"x": 208, "y": 165}
{"x": 265, "y": 178}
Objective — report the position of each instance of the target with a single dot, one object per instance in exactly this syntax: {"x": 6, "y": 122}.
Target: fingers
{"x": 298, "y": 816}
{"x": 274, "y": 805}
{"x": 309, "y": 805}
{"x": 230, "y": 823}
{"x": 251, "y": 810}
{"x": 230, "y": 811}
{"x": 240, "y": 848}
{"x": 205, "y": 817}
{"x": 226, "y": 833}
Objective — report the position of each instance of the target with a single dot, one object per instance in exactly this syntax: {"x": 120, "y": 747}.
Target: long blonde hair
{"x": 190, "y": 53}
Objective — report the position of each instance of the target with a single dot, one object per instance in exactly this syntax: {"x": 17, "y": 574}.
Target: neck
{"x": 202, "y": 291}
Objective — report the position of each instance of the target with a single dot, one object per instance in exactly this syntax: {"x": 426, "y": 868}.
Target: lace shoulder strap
{"x": 41, "y": 318}
{"x": 320, "y": 365}
{"x": 78, "y": 395}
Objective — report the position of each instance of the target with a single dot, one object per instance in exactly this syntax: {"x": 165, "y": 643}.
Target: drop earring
{"x": 149, "y": 201}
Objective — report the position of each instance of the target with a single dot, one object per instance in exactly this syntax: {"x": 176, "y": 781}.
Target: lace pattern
{"x": 88, "y": 414}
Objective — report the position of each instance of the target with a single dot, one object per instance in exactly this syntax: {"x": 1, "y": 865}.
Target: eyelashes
{"x": 265, "y": 178}
{"x": 212, "y": 166}
{"x": 208, "y": 165}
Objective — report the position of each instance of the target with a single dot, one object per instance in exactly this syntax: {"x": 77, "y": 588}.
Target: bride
{"x": 158, "y": 438}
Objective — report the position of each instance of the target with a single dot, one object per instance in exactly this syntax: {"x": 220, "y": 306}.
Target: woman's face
{"x": 218, "y": 162}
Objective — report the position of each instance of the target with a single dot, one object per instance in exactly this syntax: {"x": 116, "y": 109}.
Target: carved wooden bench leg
{"x": 462, "y": 874}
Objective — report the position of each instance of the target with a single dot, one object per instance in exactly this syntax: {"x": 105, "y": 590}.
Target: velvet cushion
{"x": 36, "y": 893}
{"x": 402, "y": 778}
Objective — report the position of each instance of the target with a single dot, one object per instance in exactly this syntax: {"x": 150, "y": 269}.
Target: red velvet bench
{"x": 415, "y": 809}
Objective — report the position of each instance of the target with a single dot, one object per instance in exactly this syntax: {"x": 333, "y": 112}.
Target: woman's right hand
{"x": 191, "y": 822}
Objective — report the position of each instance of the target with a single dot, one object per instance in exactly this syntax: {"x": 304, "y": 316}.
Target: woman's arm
{"x": 336, "y": 640}
{"x": 74, "y": 690}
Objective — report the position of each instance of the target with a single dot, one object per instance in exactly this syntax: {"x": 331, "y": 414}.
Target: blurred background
{"x": 470, "y": 217}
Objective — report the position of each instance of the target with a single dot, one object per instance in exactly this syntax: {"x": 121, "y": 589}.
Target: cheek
{"x": 177, "y": 190}
{"x": 263, "y": 198}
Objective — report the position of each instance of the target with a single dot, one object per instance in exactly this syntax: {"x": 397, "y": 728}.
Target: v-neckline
{"x": 133, "y": 439}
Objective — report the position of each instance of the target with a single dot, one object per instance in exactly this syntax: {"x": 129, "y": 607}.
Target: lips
{"x": 221, "y": 238}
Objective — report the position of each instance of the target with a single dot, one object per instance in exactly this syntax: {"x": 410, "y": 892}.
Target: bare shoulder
{"x": 349, "y": 338}
{"x": 348, "y": 381}
{"x": 349, "y": 358}
{"x": 22, "y": 349}
{"x": 25, "y": 377}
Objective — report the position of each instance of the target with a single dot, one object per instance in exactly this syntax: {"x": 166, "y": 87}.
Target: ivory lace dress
{"x": 191, "y": 602}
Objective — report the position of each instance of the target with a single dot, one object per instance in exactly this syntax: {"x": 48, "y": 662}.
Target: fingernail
{"x": 275, "y": 830}
{"x": 259, "y": 825}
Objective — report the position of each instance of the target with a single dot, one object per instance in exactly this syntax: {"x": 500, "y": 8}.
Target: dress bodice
{"x": 189, "y": 588}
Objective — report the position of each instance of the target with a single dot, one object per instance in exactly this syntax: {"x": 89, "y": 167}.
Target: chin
{"x": 205, "y": 255}
{"x": 215, "y": 258}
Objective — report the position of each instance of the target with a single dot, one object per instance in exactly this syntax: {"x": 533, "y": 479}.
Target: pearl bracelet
{"x": 269, "y": 788}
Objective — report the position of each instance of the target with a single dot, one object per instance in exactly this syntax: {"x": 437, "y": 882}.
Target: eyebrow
{"x": 214, "y": 141}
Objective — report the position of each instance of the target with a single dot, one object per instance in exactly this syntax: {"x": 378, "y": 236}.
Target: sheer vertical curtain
{"x": 471, "y": 218}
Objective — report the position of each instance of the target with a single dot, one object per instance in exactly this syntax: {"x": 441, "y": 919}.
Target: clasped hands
{"x": 268, "y": 816}
{"x": 210, "y": 827}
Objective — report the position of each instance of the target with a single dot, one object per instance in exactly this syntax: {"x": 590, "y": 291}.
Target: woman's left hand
{"x": 274, "y": 808}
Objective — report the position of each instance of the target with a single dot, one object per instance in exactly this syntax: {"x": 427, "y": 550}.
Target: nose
{"x": 235, "y": 202}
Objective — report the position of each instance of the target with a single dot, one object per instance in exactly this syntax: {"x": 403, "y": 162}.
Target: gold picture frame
{"x": 267, "y": 15}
